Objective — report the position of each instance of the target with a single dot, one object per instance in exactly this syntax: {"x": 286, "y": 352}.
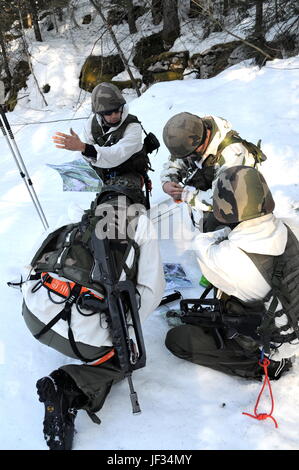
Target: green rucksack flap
{"x": 66, "y": 251}
{"x": 232, "y": 137}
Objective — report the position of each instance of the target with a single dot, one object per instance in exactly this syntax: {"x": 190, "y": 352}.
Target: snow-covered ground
{"x": 184, "y": 406}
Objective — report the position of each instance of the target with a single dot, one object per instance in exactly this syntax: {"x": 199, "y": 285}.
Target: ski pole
{"x": 4, "y": 124}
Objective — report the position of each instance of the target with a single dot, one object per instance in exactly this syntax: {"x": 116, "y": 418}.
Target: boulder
{"x": 86, "y": 19}
{"x": 149, "y": 77}
{"x": 214, "y": 60}
{"x": 118, "y": 14}
{"x": 165, "y": 66}
{"x": 97, "y": 69}
{"x": 147, "y": 47}
{"x": 19, "y": 81}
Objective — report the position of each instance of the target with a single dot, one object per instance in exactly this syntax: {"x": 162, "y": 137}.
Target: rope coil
{"x": 264, "y": 362}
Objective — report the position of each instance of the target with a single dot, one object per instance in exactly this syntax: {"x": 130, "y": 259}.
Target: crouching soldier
{"x": 90, "y": 286}
{"x": 200, "y": 148}
{"x": 253, "y": 262}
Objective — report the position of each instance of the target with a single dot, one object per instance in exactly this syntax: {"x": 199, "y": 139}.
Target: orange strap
{"x": 63, "y": 288}
{"x": 103, "y": 358}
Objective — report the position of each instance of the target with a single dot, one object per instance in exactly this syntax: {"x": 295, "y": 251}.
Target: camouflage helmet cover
{"x": 183, "y": 133}
{"x": 241, "y": 193}
{"x": 106, "y": 97}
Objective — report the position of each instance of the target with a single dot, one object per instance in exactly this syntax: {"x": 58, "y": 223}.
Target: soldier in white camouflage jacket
{"x": 200, "y": 148}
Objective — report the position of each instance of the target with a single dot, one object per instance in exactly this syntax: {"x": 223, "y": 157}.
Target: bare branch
{"x": 29, "y": 56}
{"x": 253, "y": 46}
{"x": 123, "y": 58}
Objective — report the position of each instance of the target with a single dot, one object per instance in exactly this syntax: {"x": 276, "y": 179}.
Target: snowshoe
{"x": 59, "y": 394}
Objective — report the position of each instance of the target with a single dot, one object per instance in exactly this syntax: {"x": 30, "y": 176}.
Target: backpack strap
{"x": 279, "y": 291}
{"x": 130, "y": 272}
{"x": 65, "y": 314}
{"x": 114, "y": 136}
{"x": 233, "y": 137}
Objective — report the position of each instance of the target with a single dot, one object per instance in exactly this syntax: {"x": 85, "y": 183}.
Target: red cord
{"x": 260, "y": 416}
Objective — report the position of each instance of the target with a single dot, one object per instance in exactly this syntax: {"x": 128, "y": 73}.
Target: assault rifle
{"x": 235, "y": 316}
{"x": 121, "y": 311}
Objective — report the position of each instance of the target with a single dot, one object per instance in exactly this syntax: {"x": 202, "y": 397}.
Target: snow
{"x": 184, "y": 406}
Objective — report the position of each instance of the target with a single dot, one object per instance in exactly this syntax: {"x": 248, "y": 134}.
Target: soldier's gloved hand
{"x": 189, "y": 193}
{"x": 192, "y": 196}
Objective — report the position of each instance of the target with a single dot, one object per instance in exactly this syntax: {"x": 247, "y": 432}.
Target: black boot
{"x": 277, "y": 368}
{"x": 62, "y": 399}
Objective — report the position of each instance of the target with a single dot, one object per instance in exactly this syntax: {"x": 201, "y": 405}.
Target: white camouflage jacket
{"x": 232, "y": 155}
{"x": 110, "y": 157}
{"x": 223, "y": 262}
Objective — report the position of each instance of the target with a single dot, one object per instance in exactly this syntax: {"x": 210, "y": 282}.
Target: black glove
{"x": 202, "y": 179}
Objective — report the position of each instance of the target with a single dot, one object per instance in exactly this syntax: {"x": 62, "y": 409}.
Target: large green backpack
{"x": 282, "y": 274}
{"x": 66, "y": 257}
{"x": 66, "y": 251}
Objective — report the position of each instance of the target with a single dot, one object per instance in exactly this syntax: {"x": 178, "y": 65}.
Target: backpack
{"x": 233, "y": 137}
{"x": 202, "y": 178}
{"x": 255, "y": 319}
{"x": 64, "y": 262}
{"x": 282, "y": 274}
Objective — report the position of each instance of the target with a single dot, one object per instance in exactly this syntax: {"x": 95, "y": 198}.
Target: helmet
{"x": 183, "y": 133}
{"x": 106, "y": 97}
{"x": 241, "y": 193}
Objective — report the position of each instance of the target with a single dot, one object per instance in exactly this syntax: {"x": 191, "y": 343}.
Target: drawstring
{"x": 264, "y": 362}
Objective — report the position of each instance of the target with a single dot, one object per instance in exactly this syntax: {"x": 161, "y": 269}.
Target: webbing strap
{"x": 232, "y": 137}
{"x": 65, "y": 314}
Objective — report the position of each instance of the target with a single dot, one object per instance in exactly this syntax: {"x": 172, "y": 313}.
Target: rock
{"x": 86, "y": 19}
{"x": 147, "y": 47}
{"x": 164, "y": 67}
{"x": 46, "y": 88}
{"x": 118, "y": 14}
{"x": 97, "y": 69}
{"x": 167, "y": 61}
{"x": 20, "y": 75}
{"x": 149, "y": 77}
{"x": 213, "y": 61}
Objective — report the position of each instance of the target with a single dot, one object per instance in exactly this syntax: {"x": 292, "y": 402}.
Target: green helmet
{"x": 183, "y": 133}
{"x": 106, "y": 97}
{"x": 241, "y": 193}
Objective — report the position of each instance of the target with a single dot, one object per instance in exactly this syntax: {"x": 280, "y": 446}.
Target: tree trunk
{"x": 157, "y": 11}
{"x": 131, "y": 18}
{"x": 259, "y": 30}
{"x": 59, "y": 13}
{"x": 26, "y": 49}
{"x": 225, "y": 7}
{"x": 123, "y": 58}
{"x": 171, "y": 24}
{"x": 4, "y": 54}
{"x": 34, "y": 15}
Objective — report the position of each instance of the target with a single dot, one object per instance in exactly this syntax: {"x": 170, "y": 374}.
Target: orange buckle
{"x": 63, "y": 288}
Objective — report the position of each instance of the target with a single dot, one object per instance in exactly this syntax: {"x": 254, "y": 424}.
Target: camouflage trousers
{"x": 208, "y": 347}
